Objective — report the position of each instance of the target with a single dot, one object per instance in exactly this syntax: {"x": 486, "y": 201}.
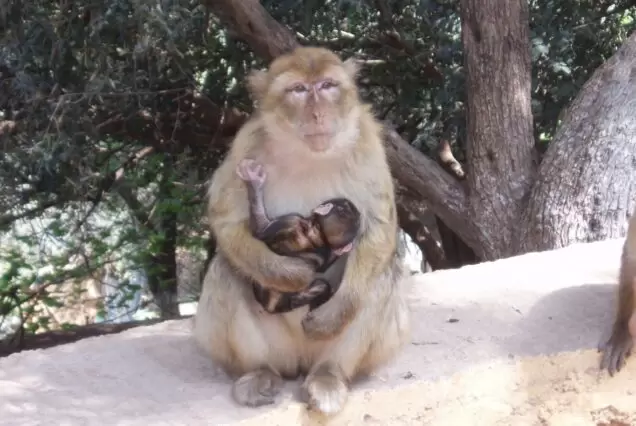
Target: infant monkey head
{"x": 334, "y": 225}
{"x": 339, "y": 221}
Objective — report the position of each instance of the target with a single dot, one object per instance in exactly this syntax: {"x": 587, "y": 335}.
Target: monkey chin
{"x": 320, "y": 143}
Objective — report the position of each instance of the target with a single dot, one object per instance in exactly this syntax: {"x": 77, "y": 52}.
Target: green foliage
{"x": 108, "y": 157}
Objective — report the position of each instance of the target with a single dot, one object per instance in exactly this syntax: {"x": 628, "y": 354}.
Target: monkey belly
{"x": 240, "y": 336}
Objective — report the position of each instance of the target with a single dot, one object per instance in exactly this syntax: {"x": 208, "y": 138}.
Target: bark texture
{"x": 586, "y": 183}
{"x": 500, "y": 144}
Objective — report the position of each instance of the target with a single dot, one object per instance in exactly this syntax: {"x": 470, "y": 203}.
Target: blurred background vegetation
{"x": 114, "y": 114}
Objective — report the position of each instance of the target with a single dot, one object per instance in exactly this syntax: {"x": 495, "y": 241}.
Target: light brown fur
{"x": 367, "y": 320}
{"x": 618, "y": 346}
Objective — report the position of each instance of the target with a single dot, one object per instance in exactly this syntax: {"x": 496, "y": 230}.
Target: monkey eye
{"x": 298, "y": 88}
{"x": 328, "y": 84}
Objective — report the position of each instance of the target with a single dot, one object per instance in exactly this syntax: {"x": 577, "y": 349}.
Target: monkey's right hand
{"x": 343, "y": 250}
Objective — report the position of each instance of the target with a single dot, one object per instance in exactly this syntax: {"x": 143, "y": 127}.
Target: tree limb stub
{"x": 423, "y": 176}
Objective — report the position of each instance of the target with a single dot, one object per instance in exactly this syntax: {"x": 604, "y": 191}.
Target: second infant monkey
{"x": 323, "y": 239}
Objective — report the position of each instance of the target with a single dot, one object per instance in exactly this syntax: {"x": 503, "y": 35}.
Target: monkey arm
{"x": 259, "y": 220}
{"x": 370, "y": 258}
{"x": 228, "y": 214}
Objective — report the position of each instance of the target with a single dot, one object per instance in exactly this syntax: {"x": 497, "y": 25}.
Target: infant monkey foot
{"x": 251, "y": 171}
{"x": 325, "y": 390}
{"x": 256, "y": 388}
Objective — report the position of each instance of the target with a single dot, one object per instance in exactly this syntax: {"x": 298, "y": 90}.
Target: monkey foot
{"x": 343, "y": 250}
{"x": 325, "y": 391}
{"x": 257, "y": 388}
{"x": 615, "y": 352}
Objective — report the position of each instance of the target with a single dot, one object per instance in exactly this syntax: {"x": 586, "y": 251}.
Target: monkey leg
{"x": 251, "y": 345}
{"x": 617, "y": 348}
{"x": 371, "y": 339}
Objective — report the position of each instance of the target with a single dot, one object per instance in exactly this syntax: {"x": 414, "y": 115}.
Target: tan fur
{"x": 618, "y": 346}
{"x": 367, "y": 320}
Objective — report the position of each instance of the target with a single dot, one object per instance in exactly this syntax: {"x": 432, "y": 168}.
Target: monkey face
{"x": 312, "y": 93}
{"x": 292, "y": 234}
{"x": 340, "y": 223}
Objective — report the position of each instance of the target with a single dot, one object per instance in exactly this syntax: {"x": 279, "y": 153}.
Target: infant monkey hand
{"x": 342, "y": 250}
{"x": 251, "y": 171}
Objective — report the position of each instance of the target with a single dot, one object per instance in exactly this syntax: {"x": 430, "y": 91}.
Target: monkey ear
{"x": 257, "y": 83}
{"x": 352, "y": 67}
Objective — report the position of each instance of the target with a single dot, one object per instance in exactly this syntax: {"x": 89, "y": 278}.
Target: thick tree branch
{"x": 251, "y": 22}
{"x": 421, "y": 175}
{"x": 412, "y": 217}
{"x": 8, "y": 219}
{"x": 424, "y": 177}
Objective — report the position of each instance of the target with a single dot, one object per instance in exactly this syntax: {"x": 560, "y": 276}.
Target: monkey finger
{"x": 343, "y": 250}
{"x": 615, "y": 355}
{"x": 242, "y": 172}
{"x": 261, "y": 174}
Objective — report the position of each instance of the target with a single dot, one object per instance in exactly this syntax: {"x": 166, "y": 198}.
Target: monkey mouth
{"x": 319, "y": 141}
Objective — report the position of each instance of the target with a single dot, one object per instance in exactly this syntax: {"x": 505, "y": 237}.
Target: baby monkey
{"x": 324, "y": 240}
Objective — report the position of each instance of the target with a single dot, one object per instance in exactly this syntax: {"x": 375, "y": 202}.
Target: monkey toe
{"x": 257, "y": 388}
{"x": 325, "y": 392}
{"x": 614, "y": 355}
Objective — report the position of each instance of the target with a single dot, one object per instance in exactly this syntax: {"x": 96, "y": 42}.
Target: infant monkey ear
{"x": 323, "y": 209}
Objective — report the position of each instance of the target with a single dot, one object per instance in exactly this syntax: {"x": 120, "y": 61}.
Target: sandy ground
{"x": 502, "y": 343}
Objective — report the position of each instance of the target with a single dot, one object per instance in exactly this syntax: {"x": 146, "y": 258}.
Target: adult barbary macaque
{"x": 316, "y": 141}
{"x": 618, "y": 347}
{"x": 323, "y": 239}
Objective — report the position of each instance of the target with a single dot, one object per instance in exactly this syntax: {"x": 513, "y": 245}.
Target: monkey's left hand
{"x": 329, "y": 319}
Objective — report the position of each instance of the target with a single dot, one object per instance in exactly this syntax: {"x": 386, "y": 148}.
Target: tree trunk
{"x": 500, "y": 144}
{"x": 162, "y": 273}
{"x": 586, "y": 184}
